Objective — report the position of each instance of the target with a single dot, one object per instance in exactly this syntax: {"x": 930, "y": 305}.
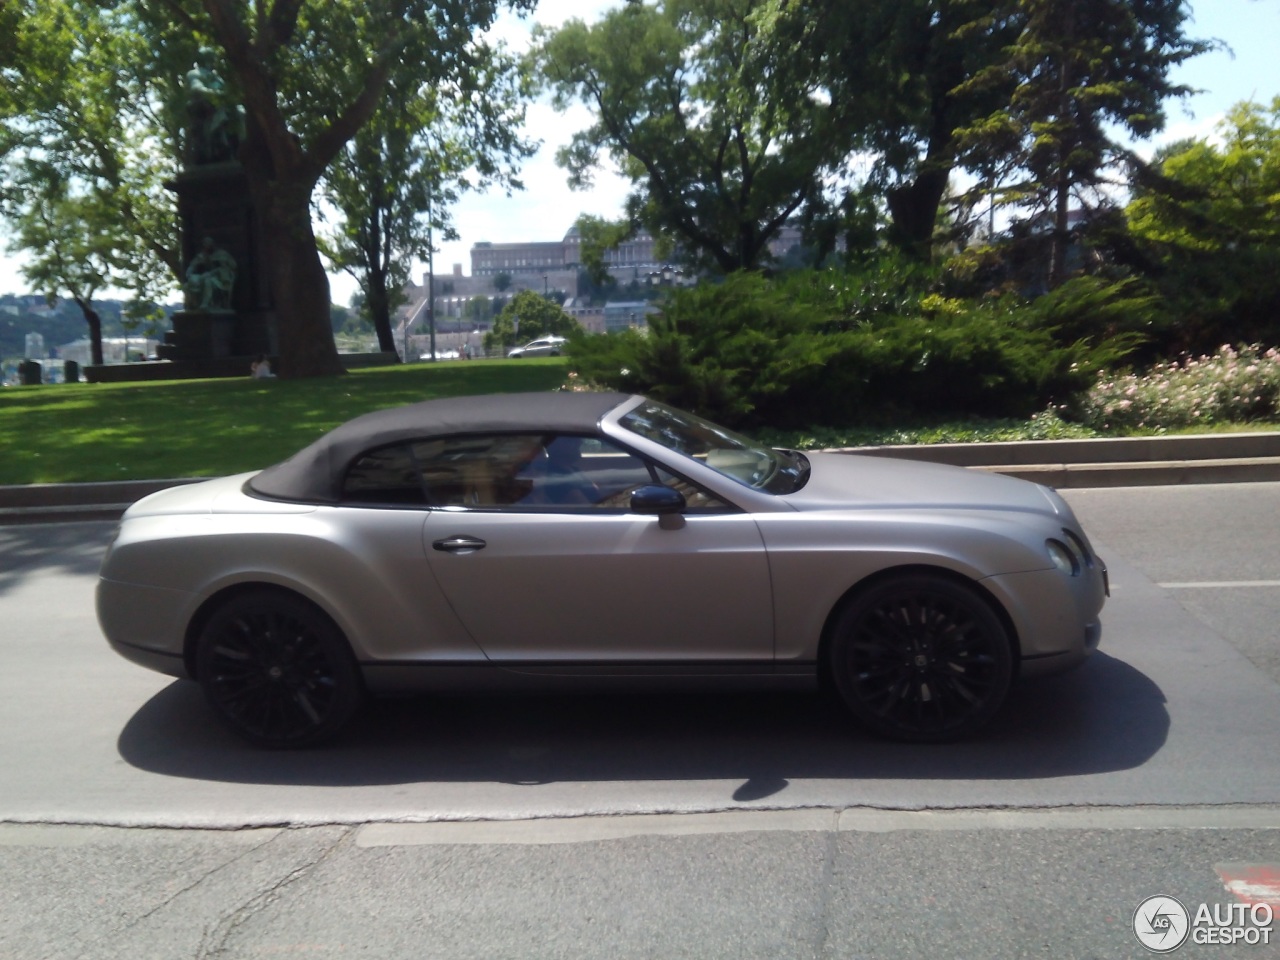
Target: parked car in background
{"x": 586, "y": 539}
{"x": 542, "y": 347}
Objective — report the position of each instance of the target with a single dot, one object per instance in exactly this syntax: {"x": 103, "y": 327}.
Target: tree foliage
{"x": 596, "y": 236}
{"x": 311, "y": 74}
{"x": 1080, "y": 69}
{"x": 717, "y": 160}
{"x": 897, "y": 76}
{"x": 394, "y": 182}
{"x": 1209, "y": 227}
{"x": 525, "y": 317}
{"x": 85, "y": 146}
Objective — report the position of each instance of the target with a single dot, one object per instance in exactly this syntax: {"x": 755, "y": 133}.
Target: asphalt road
{"x": 1153, "y": 770}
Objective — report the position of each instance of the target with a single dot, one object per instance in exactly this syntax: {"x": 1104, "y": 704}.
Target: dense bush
{"x": 834, "y": 348}
{"x": 726, "y": 350}
{"x": 1231, "y": 386}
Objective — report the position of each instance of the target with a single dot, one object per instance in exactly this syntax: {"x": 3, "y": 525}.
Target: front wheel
{"x": 277, "y": 671}
{"x": 921, "y": 658}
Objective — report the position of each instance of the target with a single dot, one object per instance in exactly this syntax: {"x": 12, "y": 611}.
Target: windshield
{"x": 726, "y": 452}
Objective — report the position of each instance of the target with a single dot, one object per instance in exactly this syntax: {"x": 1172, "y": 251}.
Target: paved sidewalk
{"x": 1121, "y": 462}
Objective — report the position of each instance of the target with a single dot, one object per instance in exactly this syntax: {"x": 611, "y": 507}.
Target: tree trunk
{"x": 281, "y": 194}
{"x": 376, "y": 302}
{"x": 914, "y": 209}
{"x": 94, "y": 321}
{"x": 1061, "y": 229}
{"x": 299, "y": 285}
{"x": 1062, "y": 177}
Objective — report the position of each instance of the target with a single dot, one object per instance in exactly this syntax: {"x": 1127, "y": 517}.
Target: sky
{"x": 547, "y": 208}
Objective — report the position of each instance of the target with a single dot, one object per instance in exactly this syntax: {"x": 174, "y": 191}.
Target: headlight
{"x": 1063, "y": 557}
{"x": 1079, "y": 546}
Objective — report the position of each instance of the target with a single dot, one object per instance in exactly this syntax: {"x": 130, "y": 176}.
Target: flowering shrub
{"x": 1232, "y": 386}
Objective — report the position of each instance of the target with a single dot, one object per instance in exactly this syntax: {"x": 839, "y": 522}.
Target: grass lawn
{"x": 201, "y": 428}
{"x": 208, "y": 428}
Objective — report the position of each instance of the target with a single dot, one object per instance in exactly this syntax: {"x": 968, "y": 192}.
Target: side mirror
{"x": 655, "y": 498}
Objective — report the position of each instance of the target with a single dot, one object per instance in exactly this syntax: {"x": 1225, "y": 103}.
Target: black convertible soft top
{"x": 315, "y": 473}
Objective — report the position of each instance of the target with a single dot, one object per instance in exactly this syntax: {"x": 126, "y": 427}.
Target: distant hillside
{"x": 62, "y": 323}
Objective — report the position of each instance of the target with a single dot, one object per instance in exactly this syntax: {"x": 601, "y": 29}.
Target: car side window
{"x": 388, "y": 475}
{"x": 476, "y": 471}
{"x": 529, "y": 471}
{"x": 695, "y": 497}
{"x": 534, "y": 472}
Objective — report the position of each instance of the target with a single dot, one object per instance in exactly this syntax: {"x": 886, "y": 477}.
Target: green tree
{"x": 597, "y": 236}
{"x": 395, "y": 180}
{"x": 528, "y": 316}
{"x": 1082, "y": 69}
{"x": 71, "y": 262}
{"x": 896, "y": 75}
{"x": 1210, "y": 225}
{"x": 85, "y": 145}
{"x": 311, "y": 74}
{"x": 718, "y": 160}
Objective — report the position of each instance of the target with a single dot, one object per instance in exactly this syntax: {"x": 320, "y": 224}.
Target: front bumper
{"x": 1055, "y": 616}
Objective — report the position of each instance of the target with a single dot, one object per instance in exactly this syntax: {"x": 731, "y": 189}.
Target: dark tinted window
{"x": 517, "y": 471}
{"x": 529, "y": 470}
{"x": 386, "y": 475}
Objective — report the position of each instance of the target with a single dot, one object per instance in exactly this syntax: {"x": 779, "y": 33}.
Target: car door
{"x": 535, "y": 546}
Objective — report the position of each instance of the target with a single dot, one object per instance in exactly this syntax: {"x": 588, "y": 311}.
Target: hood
{"x": 840, "y": 480}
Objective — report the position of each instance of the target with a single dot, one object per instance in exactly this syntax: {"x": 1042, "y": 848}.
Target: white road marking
{"x": 1218, "y": 584}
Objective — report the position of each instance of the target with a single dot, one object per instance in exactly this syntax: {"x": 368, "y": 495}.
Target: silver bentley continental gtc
{"x": 575, "y": 539}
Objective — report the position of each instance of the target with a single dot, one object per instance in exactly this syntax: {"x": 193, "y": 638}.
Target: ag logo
{"x": 1161, "y": 924}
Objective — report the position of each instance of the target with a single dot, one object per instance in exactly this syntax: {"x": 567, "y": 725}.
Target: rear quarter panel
{"x": 365, "y": 568}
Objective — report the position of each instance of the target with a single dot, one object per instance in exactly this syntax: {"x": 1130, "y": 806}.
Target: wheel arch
{"x": 909, "y": 570}
{"x": 196, "y": 623}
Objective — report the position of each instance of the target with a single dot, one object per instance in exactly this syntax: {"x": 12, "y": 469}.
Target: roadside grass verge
{"x": 71, "y": 433}
{"x": 203, "y": 428}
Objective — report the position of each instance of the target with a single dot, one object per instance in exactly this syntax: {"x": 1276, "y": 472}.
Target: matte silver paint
{"x": 613, "y": 592}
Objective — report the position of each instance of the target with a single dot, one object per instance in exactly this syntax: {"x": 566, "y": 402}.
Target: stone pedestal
{"x": 213, "y": 335}
{"x": 214, "y": 201}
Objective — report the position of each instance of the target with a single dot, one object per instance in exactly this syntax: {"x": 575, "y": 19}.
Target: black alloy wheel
{"x": 277, "y": 671}
{"x": 921, "y": 658}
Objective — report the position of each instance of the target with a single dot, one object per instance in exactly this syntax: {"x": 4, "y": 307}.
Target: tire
{"x": 921, "y": 658}
{"x": 277, "y": 671}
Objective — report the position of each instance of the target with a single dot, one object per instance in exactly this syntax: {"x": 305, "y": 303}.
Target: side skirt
{"x": 392, "y": 678}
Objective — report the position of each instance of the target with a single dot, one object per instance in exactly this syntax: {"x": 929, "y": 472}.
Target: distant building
{"x": 501, "y": 270}
{"x": 34, "y": 347}
{"x": 540, "y": 257}
{"x": 491, "y": 259}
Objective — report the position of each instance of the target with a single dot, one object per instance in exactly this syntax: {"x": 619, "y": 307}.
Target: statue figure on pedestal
{"x": 215, "y": 123}
{"x": 211, "y": 274}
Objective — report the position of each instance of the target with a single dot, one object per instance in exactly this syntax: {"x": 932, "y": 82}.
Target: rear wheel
{"x": 921, "y": 658}
{"x": 277, "y": 671}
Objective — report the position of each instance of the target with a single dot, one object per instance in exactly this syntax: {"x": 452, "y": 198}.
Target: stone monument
{"x": 228, "y": 318}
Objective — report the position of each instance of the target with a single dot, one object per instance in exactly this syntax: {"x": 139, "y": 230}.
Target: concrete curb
{"x": 54, "y": 502}
{"x": 1111, "y": 462}
{"x": 1120, "y": 462}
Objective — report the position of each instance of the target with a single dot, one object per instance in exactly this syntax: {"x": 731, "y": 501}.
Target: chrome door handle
{"x": 459, "y": 544}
